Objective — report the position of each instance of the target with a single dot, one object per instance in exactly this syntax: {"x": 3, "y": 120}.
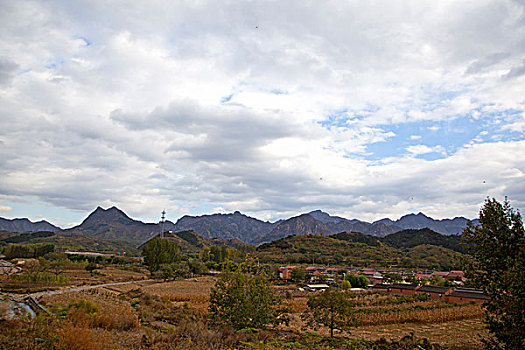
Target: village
{"x": 446, "y": 286}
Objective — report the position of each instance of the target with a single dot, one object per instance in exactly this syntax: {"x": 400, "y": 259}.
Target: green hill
{"x": 411, "y": 238}
{"x": 327, "y": 250}
{"x": 431, "y": 256}
{"x": 70, "y": 242}
{"x": 192, "y": 242}
{"x": 358, "y": 238}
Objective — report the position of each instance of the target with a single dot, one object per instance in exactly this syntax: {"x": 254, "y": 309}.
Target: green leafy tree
{"x": 160, "y": 251}
{"x": 392, "y": 277}
{"x": 90, "y": 267}
{"x": 196, "y": 267}
{"x": 497, "y": 264}
{"x": 299, "y": 274}
{"x": 345, "y": 285}
{"x": 357, "y": 281}
{"x": 173, "y": 270}
{"x": 205, "y": 254}
{"x": 332, "y": 308}
{"x": 245, "y": 301}
{"x": 218, "y": 253}
{"x": 28, "y": 250}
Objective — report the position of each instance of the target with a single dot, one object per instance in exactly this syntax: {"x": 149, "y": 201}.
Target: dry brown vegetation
{"x": 173, "y": 315}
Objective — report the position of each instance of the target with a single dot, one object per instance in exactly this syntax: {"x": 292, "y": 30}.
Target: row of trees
{"x": 34, "y": 250}
{"x": 164, "y": 258}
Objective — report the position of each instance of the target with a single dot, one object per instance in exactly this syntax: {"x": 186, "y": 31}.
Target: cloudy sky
{"x": 363, "y": 109}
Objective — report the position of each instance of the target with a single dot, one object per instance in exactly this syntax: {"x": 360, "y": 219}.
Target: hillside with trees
{"x": 72, "y": 242}
{"x": 411, "y": 238}
{"x": 317, "y": 249}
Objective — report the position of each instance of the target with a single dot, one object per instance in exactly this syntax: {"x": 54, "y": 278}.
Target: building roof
{"x": 439, "y": 273}
{"x": 381, "y": 286}
{"x": 434, "y": 289}
{"x": 462, "y": 293}
{"x": 404, "y": 286}
{"x": 317, "y": 286}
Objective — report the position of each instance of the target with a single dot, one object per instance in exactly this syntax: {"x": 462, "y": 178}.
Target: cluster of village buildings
{"x": 454, "y": 294}
{"x": 374, "y": 276}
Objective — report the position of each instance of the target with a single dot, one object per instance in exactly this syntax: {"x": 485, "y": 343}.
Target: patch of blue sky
{"x": 23, "y": 71}
{"x": 279, "y": 92}
{"x": 201, "y": 207}
{"x": 344, "y": 117}
{"x": 36, "y": 210}
{"x": 55, "y": 64}
{"x": 86, "y": 41}
{"x": 447, "y": 136}
{"x": 226, "y": 98}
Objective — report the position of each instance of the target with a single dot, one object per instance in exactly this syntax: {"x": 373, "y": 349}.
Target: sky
{"x": 364, "y": 109}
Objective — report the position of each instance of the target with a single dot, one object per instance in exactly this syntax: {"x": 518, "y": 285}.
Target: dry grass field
{"x": 160, "y": 315}
{"x": 194, "y": 292}
{"x": 71, "y": 274}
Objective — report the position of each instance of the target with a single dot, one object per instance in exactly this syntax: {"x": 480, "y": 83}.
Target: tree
{"x": 245, "y": 301}
{"x": 196, "y": 267}
{"x": 218, "y": 253}
{"x": 357, "y": 281}
{"x": 332, "y": 308}
{"x": 497, "y": 261}
{"x": 90, "y": 267}
{"x": 345, "y": 285}
{"x": 392, "y": 277}
{"x": 33, "y": 250}
{"x": 299, "y": 274}
{"x": 160, "y": 251}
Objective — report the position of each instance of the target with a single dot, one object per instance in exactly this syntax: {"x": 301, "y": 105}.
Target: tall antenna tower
{"x": 162, "y": 223}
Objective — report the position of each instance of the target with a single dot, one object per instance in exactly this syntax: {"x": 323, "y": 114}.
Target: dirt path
{"x": 38, "y": 295}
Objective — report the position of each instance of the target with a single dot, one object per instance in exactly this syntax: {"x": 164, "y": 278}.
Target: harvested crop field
{"x": 194, "y": 292}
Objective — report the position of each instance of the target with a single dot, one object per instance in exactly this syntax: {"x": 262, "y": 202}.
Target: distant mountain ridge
{"x": 114, "y": 225}
{"x": 26, "y": 225}
{"x": 320, "y": 222}
{"x": 224, "y": 226}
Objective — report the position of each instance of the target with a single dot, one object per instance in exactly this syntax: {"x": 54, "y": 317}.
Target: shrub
{"x": 332, "y": 308}
{"x": 245, "y": 301}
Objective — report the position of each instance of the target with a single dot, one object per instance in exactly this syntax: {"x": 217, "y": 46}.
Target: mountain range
{"x": 25, "y": 225}
{"x": 114, "y": 225}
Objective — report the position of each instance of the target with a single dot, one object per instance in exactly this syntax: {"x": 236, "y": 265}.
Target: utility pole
{"x": 162, "y": 223}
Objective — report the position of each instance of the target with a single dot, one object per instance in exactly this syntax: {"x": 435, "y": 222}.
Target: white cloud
{"x": 5, "y": 208}
{"x": 124, "y": 106}
{"x": 423, "y": 149}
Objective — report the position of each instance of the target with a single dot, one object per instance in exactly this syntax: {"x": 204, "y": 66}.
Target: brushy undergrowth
{"x": 36, "y": 277}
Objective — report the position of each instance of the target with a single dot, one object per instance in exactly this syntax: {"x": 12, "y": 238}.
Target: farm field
{"x": 70, "y": 274}
{"x": 159, "y": 315}
{"x": 454, "y": 326}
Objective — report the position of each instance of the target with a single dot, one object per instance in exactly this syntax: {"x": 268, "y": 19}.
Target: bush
{"x": 245, "y": 301}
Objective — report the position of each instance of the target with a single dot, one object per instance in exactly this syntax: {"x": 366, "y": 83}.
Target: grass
{"x": 173, "y": 315}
